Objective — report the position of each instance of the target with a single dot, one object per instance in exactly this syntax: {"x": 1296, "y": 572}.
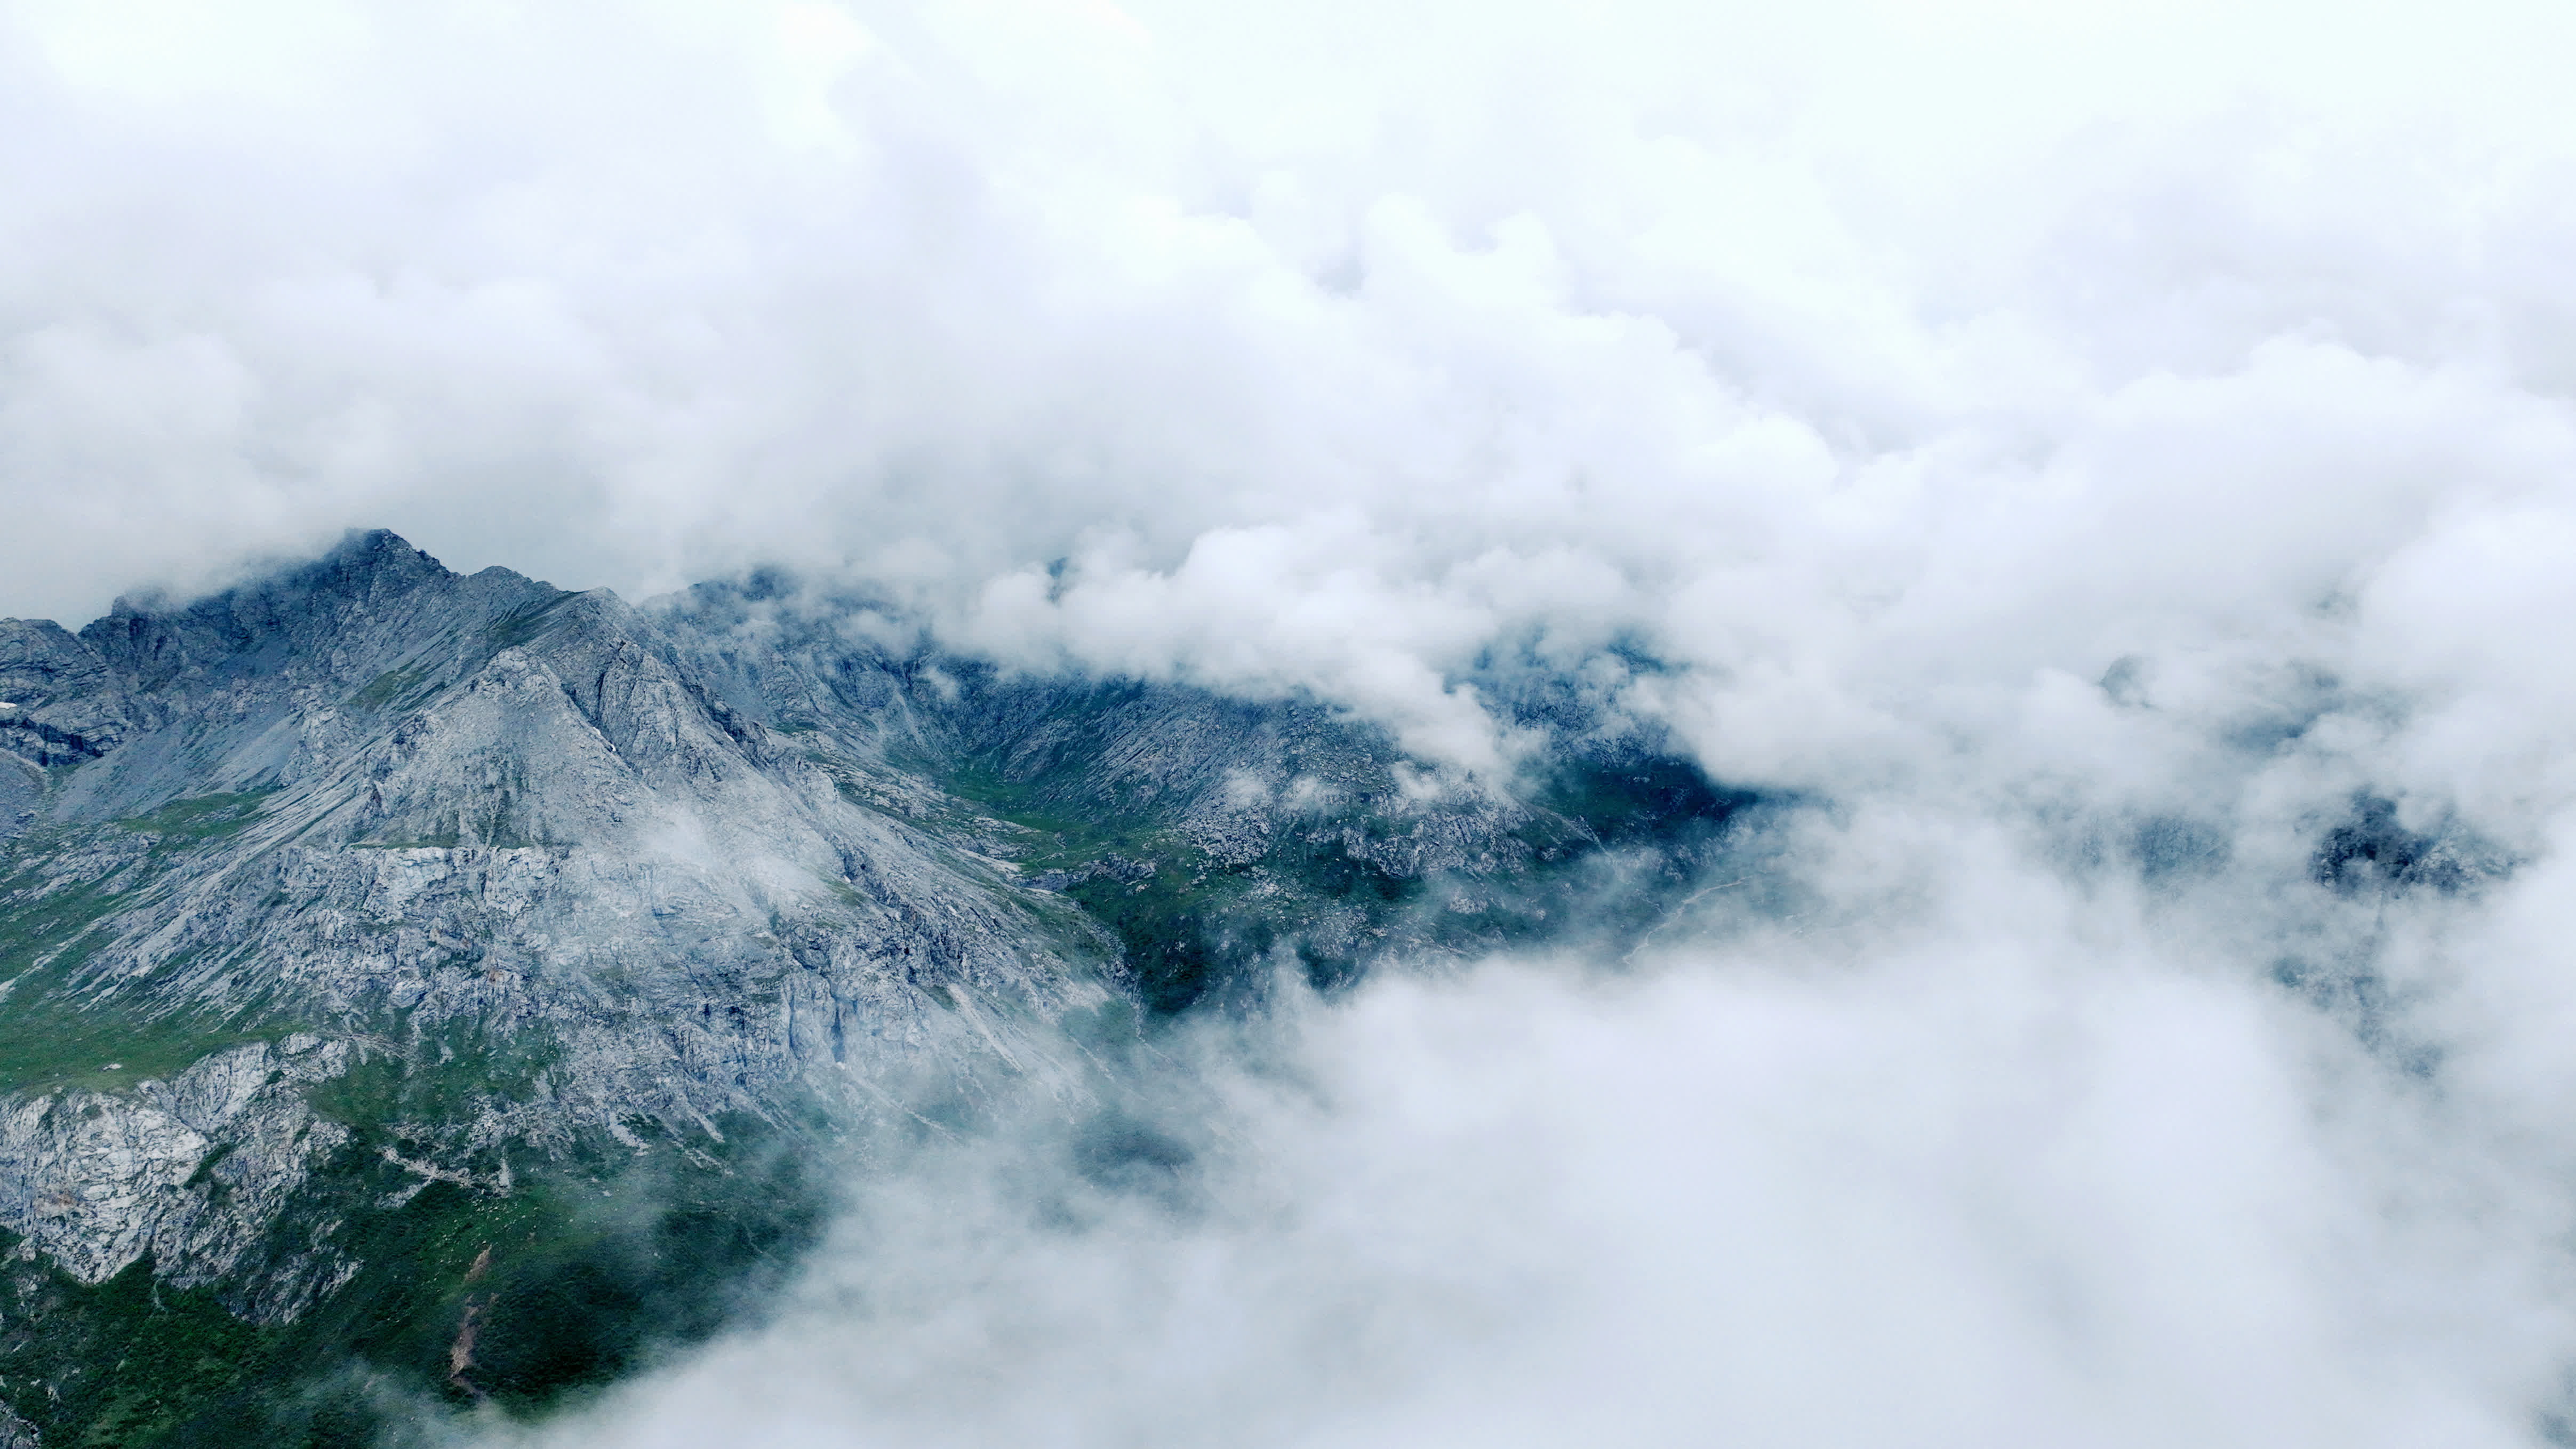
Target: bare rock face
{"x": 89, "y": 1177}
{"x": 22, "y": 793}
{"x": 59, "y": 701}
{"x": 192, "y": 1170}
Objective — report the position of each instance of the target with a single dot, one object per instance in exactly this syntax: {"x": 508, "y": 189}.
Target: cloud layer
{"x": 1817, "y": 354}
{"x": 1978, "y": 1172}
{"x": 2094, "y": 451}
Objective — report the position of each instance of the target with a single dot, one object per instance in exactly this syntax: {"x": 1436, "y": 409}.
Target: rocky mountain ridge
{"x": 351, "y": 912}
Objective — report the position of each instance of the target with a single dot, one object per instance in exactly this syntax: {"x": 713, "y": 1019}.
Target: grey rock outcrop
{"x": 59, "y": 702}
{"x": 193, "y": 1170}
{"x": 22, "y": 793}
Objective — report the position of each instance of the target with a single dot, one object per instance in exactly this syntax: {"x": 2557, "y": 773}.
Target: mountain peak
{"x": 370, "y": 556}
{"x": 255, "y": 624}
{"x": 363, "y": 561}
{"x": 378, "y": 544}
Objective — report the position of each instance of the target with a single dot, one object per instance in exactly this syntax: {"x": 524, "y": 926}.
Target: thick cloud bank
{"x": 2005, "y": 1184}
{"x": 1863, "y": 360}
{"x": 2114, "y": 461}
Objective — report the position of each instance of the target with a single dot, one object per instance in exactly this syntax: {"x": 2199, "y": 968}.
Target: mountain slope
{"x": 452, "y": 985}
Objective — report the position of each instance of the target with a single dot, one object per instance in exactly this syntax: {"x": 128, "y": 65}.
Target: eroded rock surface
{"x": 193, "y": 1170}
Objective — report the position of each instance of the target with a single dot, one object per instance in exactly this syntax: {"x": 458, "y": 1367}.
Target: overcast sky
{"x": 2024, "y": 427}
{"x": 1328, "y": 345}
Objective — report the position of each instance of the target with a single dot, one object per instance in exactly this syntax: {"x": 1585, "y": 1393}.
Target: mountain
{"x": 419, "y": 988}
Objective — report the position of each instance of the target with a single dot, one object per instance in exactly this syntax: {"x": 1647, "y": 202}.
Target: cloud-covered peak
{"x": 2094, "y": 458}
{"x": 1334, "y": 353}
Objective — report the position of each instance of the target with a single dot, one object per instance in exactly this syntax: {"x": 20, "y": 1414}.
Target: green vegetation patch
{"x": 586, "y": 1271}
{"x": 49, "y": 1036}
{"x": 48, "y": 1040}
{"x": 523, "y": 625}
{"x": 1182, "y": 938}
{"x": 1193, "y": 930}
{"x": 201, "y": 817}
{"x": 448, "y": 1076}
{"x": 395, "y": 687}
{"x": 54, "y": 1035}
{"x": 121, "y": 1363}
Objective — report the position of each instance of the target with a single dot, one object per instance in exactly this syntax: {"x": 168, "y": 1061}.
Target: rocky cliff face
{"x": 193, "y": 1171}
{"x": 356, "y": 913}
{"x": 423, "y": 815}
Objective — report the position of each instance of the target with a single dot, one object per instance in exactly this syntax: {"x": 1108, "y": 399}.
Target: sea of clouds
{"x": 2091, "y": 453}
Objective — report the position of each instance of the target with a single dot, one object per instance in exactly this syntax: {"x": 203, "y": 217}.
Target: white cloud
{"x": 1996, "y": 1184}
{"x": 2012, "y": 423}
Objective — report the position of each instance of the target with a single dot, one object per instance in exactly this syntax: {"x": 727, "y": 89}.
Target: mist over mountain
{"x": 366, "y": 919}
{"x": 1374, "y": 725}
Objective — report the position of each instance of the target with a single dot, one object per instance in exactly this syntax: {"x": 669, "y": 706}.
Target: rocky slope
{"x": 362, "y": 927}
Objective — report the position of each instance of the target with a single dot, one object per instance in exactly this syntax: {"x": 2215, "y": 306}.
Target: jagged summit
{"x": 373, "y": 567}
{"x": 76, "y": 697}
